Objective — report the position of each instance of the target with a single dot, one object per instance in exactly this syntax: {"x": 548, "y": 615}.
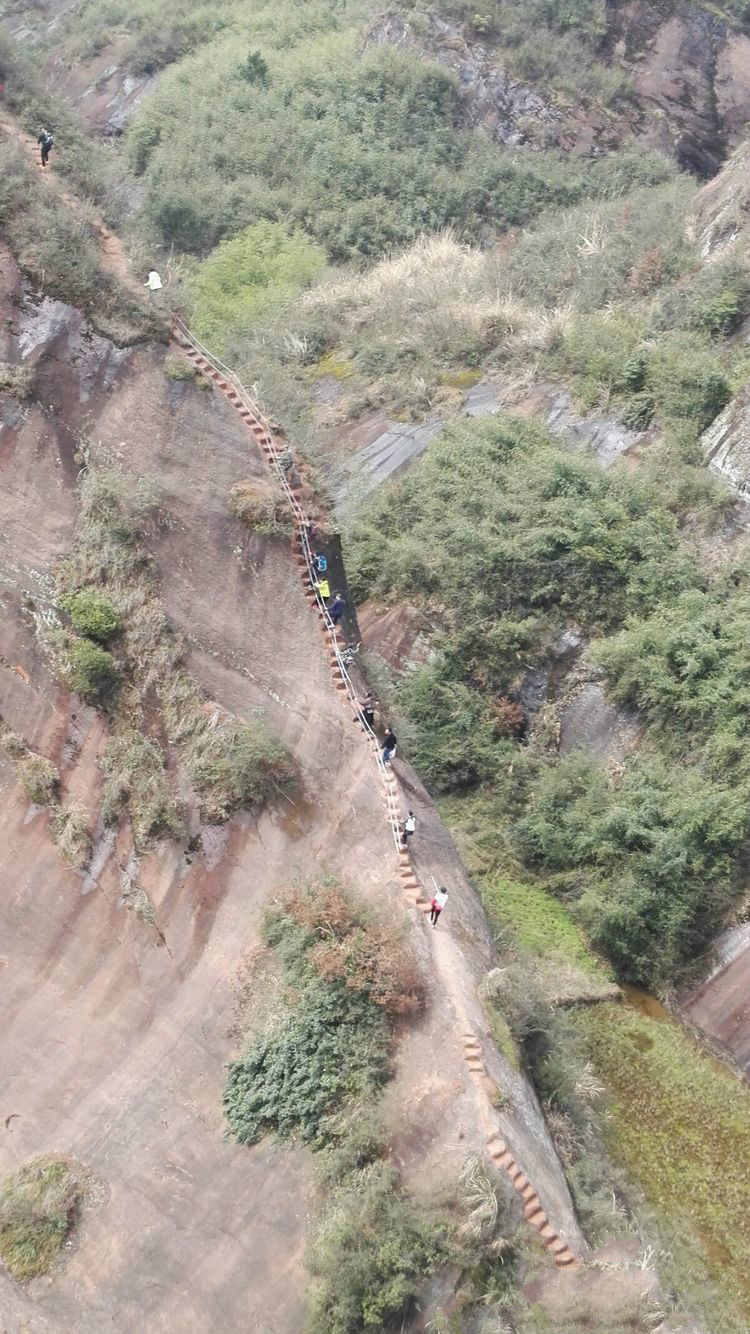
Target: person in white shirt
{"x": 407, "y": 827}
{"x": 437, "y": 905}
{"x": 153, "y": 282}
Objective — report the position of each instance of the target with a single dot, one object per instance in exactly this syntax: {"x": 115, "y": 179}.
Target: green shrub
{"x": 715, "y": 300}
{"x": 322, "y": 145}
{"x": 638, "y": 412}
{"x": 91, "y": 670}
{"x": 634, "y": 372}
{"x": 92, "y": 614}
{"x": 332, "y": 1046}
{"x": 499, "y": 525}
{"x": 248, "y": 277}
{"x": 455, "y": 745}
{"x": 686, "y": 666}
{"x": 369, "y": 1255}
{"x": 40, "y": 778}
{"x": 38, "y": 1206}
{"x": 598, "y": 253}
{"x": 254, "y": 69}
{"x": 655, "y": 853}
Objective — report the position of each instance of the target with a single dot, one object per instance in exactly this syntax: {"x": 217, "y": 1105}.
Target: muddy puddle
{"x": 297, "y": 815}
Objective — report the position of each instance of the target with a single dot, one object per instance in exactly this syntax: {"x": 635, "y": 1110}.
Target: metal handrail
{"x": 302, "y": 529}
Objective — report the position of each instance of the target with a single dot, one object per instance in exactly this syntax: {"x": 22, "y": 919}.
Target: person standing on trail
{"x": 153, "y": 282}
{"x": 336, "y": 609}
{"x": 367, "y": 709}
{"x": 320, "y": 562}
{"x": 389, "y": 746}
{"x": 46, "y": 144}
{"x": 407, "y": 828}
{"x": 323, "y": 587}
{"x": 437, "y": 905}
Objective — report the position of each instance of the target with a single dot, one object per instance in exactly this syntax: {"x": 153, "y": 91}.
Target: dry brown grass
{"x": 38, "y": 1205}
{"x": 439, "y": 290}
{"x": 262, "y": 506}
{"x": 70, "y": 830}
{"x": 365, "y": 955}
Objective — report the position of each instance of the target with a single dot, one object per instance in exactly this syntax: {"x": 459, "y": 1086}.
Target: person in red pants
{"x": 437, "y": 905}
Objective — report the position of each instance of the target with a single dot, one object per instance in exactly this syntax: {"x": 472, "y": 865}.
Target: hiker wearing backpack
{"x": 46, "y": 144}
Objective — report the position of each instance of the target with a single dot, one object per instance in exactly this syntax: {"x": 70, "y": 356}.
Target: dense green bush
{"x": 655, "y": 854}
{"x": 92, "y": 670}
{"x": 682, "y": 376}
{"x": 323, "y": 145}
{"x": 498, "y": 523}
{"x": 598, "y": 253}
{"x": 92, "y": 614}
{"x": 369, "y": 1254}
{"x": 715, "y": 300}
{"x": 333, "y": 1045}
{"x": 685, "y": 667}
{"x": 250, "y": 276}
{"x": 455, "y": 743}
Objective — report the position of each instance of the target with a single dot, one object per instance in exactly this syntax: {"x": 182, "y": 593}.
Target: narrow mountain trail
{"x": 484, "y": 1089}
{"x": 110, "y": 246}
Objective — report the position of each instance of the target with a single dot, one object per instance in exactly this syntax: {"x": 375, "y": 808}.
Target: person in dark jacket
{"x": 367, "y": 709}
{"x": 46, "y": 144}
{"x": 389, "y": 746}
{"x": 336, "y": 609}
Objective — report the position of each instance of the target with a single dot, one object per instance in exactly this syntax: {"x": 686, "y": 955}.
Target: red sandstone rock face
{"x": 116, "y": 1034}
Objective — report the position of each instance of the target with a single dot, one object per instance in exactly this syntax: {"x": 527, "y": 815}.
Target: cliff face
{"x": 690, "y": 77}
{"x": 119, "y": 1022}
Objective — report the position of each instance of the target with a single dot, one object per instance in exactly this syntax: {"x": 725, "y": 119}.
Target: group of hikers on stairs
{"x": 335, "y": 607}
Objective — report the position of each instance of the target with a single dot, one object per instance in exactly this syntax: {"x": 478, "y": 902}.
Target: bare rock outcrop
{"x": 726, "y": 443}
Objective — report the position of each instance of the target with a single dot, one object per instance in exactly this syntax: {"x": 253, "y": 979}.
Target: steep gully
{"x": 263, "y": 436}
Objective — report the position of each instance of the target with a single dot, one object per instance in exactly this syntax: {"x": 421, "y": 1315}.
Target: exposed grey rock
{"x": 726, "y": 443}
{"x": 589, "y": 722}
{"x": 607, "y": 438}
{"x": 481, "y": 399}
{"x": 509, "y": 110}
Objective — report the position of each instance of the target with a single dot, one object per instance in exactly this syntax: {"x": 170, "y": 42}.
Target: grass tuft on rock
{"x": 38, "y": 1205}
{"x": 70, "y": 830}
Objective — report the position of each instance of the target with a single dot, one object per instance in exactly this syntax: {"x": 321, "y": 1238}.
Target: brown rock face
{"x": 690, "y": 72}
{"x": 693, "y": 83}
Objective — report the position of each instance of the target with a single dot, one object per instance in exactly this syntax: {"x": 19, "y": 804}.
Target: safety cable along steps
{"x": 215, "y": 371}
